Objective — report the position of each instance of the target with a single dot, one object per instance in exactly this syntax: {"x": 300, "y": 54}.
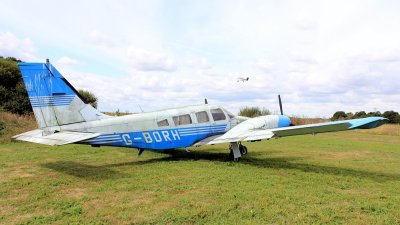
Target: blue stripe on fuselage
{"x": 158, "y": 139}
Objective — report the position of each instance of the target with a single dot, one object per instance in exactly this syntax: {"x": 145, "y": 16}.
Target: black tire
{"x": 243, "y": 149}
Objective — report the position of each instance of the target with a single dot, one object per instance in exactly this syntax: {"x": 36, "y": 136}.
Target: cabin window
{"x": 163, "y": 123}
{"x": 202, "y": 117}
{"x": 182, "y": 119}
{"x": 218, "y": 114}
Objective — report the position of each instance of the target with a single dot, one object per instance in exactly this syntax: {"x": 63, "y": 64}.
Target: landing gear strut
{"x": 140, "y": 151}
{"x": 236, "y": 151}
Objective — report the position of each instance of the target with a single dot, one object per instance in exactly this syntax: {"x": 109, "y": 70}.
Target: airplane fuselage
{"x": 165, "y": 129}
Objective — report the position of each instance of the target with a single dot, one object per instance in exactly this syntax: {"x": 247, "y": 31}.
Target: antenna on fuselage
{"x": 280, "y": 104}
{"x": 205, "y": 101}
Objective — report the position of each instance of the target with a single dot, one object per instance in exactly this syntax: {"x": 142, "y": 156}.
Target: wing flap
{"x": 310, "y": 129}
{"x": 59, "y": 138}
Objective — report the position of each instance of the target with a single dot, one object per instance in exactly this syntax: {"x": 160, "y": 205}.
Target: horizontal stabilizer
{"x": 59, "y": 138}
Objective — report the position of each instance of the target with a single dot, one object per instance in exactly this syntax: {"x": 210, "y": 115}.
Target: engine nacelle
{"x": 262, "y": 122}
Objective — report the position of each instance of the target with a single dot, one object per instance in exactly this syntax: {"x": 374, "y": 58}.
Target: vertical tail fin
{"x": 54, "y": 101}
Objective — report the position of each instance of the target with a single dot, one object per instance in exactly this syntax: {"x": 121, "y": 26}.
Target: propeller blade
{"x": 280, "y": 104}
{"x": 205, "y": 101}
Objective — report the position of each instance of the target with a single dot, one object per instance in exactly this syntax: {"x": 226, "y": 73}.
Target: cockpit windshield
{"x": 231, "y": 116}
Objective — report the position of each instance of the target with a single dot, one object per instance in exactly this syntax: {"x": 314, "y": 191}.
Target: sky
{"x": 320, "y": 56}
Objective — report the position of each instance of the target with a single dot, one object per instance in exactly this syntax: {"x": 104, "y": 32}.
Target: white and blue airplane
{"x": 64, "y": 117}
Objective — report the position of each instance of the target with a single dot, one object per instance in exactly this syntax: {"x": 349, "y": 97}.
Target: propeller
{"x": 280, "y": 104}
{"x": 205, "y": 101}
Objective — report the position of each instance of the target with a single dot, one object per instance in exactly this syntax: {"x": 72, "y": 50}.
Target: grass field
{"x": 348, "y": 177}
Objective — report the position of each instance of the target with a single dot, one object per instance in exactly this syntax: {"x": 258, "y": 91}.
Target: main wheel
{"x": 243, "y": 149}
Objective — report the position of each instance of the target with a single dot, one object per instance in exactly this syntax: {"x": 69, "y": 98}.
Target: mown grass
{"x": 345, "y": 177}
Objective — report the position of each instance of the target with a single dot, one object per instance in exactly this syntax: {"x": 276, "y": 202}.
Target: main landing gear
{"x": 236, "y": 151}
{"x": 140, "y": 151}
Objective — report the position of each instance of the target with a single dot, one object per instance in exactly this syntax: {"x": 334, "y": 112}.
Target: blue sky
{"x": 321, "y": 56}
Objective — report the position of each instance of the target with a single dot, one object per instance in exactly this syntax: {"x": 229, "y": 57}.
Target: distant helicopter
{"x": 243, "y": 79}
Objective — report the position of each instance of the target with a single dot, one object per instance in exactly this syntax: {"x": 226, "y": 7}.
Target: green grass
{"x": 345, "y": 177}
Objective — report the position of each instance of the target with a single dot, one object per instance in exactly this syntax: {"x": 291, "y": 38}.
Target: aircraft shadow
{"x": 106, "y": 171}
{"x": 291, "y": 163}
{"x": 84, "y": 171}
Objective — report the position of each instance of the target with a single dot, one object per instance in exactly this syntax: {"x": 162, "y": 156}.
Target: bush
{"x": 88, "y": 97}
{"x": 2, "y": 127}
{"x": 253, "y": 112}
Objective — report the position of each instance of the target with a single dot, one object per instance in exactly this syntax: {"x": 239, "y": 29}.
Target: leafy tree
{"x": 339, "y": 115}
{"x": 377, "y": 113}
{"x": 13, "y": 96}
{"x": 392, "y": 116}
{"x": 349, "y": 115}
{"x": 360, "y": 114}
{"x": 88, "y": 97}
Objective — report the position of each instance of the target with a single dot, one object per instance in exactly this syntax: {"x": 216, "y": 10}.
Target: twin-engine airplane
{"x": 63, "y": 118}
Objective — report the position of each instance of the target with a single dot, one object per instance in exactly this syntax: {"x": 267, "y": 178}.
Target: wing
{"x": 255, "y": 134}
{"x": 59, "y": 138}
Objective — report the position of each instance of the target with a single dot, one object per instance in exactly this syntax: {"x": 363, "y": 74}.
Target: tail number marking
{"x": 127, "y": 139}
{"x": 157, "y": 136}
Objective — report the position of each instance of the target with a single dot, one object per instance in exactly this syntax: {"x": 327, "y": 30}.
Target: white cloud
{"x": 145, "y": 60}
{"x": 320, "y": 56}
{"x": 65, "y": 61}
{"x": 263, "y": 64}
{"x": 12, "y": 46}
{"x": 199, "y": 63}
{"x": 99, "y": 38}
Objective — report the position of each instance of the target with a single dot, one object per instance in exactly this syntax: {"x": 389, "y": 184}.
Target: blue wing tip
{"x": 367, "y": 123}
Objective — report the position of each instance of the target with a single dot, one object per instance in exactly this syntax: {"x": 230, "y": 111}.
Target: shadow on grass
{"x": 82, "y": 170}
{"x": 290, "y": 163}
{"x": 105, "y": 172}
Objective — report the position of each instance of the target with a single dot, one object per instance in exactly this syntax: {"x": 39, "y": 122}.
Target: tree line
{"x": 13, "y": 95}
{"x": 392, "y": 116}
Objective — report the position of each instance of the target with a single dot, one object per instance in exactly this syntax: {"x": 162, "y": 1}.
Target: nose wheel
{"x": 236, "y": 151}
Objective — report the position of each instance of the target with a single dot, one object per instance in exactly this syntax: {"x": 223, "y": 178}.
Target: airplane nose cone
{"x": 283, "y": 121}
